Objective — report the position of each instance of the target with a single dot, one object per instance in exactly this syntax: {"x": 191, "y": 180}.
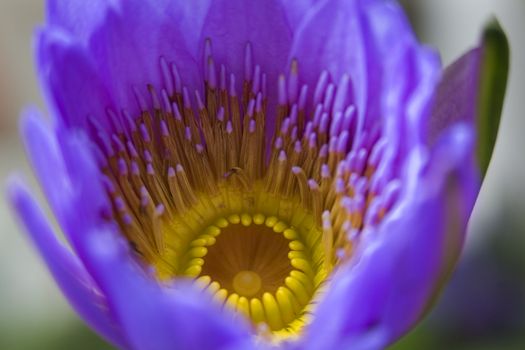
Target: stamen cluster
{"x": 194, "y": 165}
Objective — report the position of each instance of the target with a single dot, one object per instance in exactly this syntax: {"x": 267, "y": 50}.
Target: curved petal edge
{"x": 74, "y": 281}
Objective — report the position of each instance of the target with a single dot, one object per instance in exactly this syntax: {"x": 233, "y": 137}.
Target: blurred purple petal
{"x": 47, "y": 162}
{"x": 339, "y": 48}
{"x": 68, "y": 175}
{"x": 456, "y": 94}
{"x": 70, "y": 79}
{"x": 76, "y": 284}
{"x": 297, "y": 11}
{"x": 77, "y": 17}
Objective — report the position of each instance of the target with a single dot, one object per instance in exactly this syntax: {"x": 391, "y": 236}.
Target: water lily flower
{"x": 236, "y": 174}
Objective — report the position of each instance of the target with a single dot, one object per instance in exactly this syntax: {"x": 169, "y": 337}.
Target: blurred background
{"x": 482, "y": 308}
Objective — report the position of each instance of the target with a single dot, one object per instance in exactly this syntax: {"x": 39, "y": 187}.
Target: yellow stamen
{"x": 257, "y": 311}
{"x": 272, "y": 311}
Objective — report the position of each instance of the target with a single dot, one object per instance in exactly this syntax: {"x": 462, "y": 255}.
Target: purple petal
{"x": 129, "y": 44}
{"x": 339, "y": 48}
{"x": 76, "y": 284}
{"x": 68, "y": 174}
{"x": 123, "y": 46}
{"x": 154, "y": 316}
{"x": 70, "y": 80}
{"x": 231, "y": 24}
{"x": 297, "y": 11}
{"x": 410, "y": 78}
{"x": 46, "y": 159}
{"x": 391, "y": 282}
{"x": 372, "y": 42}
{"x": 86, "y": 179}
{"x": 88, "y": 203}
{"x": 456, "y": 94}
{"x": 77, "y": 17}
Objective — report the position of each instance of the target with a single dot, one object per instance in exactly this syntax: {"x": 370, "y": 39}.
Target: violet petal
{"x": 77, "y": 17}
{"x": 70, "y": 80}
{"x": 73, "y": 280}
{"x": 232, "y": 24}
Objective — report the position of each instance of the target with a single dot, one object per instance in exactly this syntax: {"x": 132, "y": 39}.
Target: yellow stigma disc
{"x": 247, "y": 283}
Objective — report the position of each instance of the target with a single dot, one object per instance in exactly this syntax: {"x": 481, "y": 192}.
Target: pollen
{"x": 256, "y": 200}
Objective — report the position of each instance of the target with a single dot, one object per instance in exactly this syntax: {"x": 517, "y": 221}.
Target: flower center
{"x": 258, "y": 252}
{"x": 248, "y": 259}
{"x": 247, "y": 283}
{"x": 199, "y": 194}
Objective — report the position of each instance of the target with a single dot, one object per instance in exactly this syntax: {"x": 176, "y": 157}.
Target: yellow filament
{"x": 280, "y": 227}
{"x": 258, "y": 219}
{"x": 271, "y": 221}
{"x": 203, "y": 281}
{"x": 234, "y": 219}
{"x": 243, "y": 306}
{"x": 257, "y": 311}
{"x": 290, "y": 234}
{"x": 193, "y": 271}
{"x": 232, "y": 300}
{"x": 297, "y": 289}
{"x": 221, "y": 295}
{"x": 213, "y": 287}
{"x": 285, "y": 305}
{"x": 272, "y": 312}
{"x": 246, "y": 219}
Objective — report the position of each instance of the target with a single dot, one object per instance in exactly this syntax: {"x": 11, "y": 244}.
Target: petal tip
{"x": 494, "y": 69}
{"x": 15, "y": 189}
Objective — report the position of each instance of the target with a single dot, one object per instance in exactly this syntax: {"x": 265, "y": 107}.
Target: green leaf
{"x": 494, "y": 68}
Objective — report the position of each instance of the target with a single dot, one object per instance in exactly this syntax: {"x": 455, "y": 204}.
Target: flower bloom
{"x": 242, "y": 174}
